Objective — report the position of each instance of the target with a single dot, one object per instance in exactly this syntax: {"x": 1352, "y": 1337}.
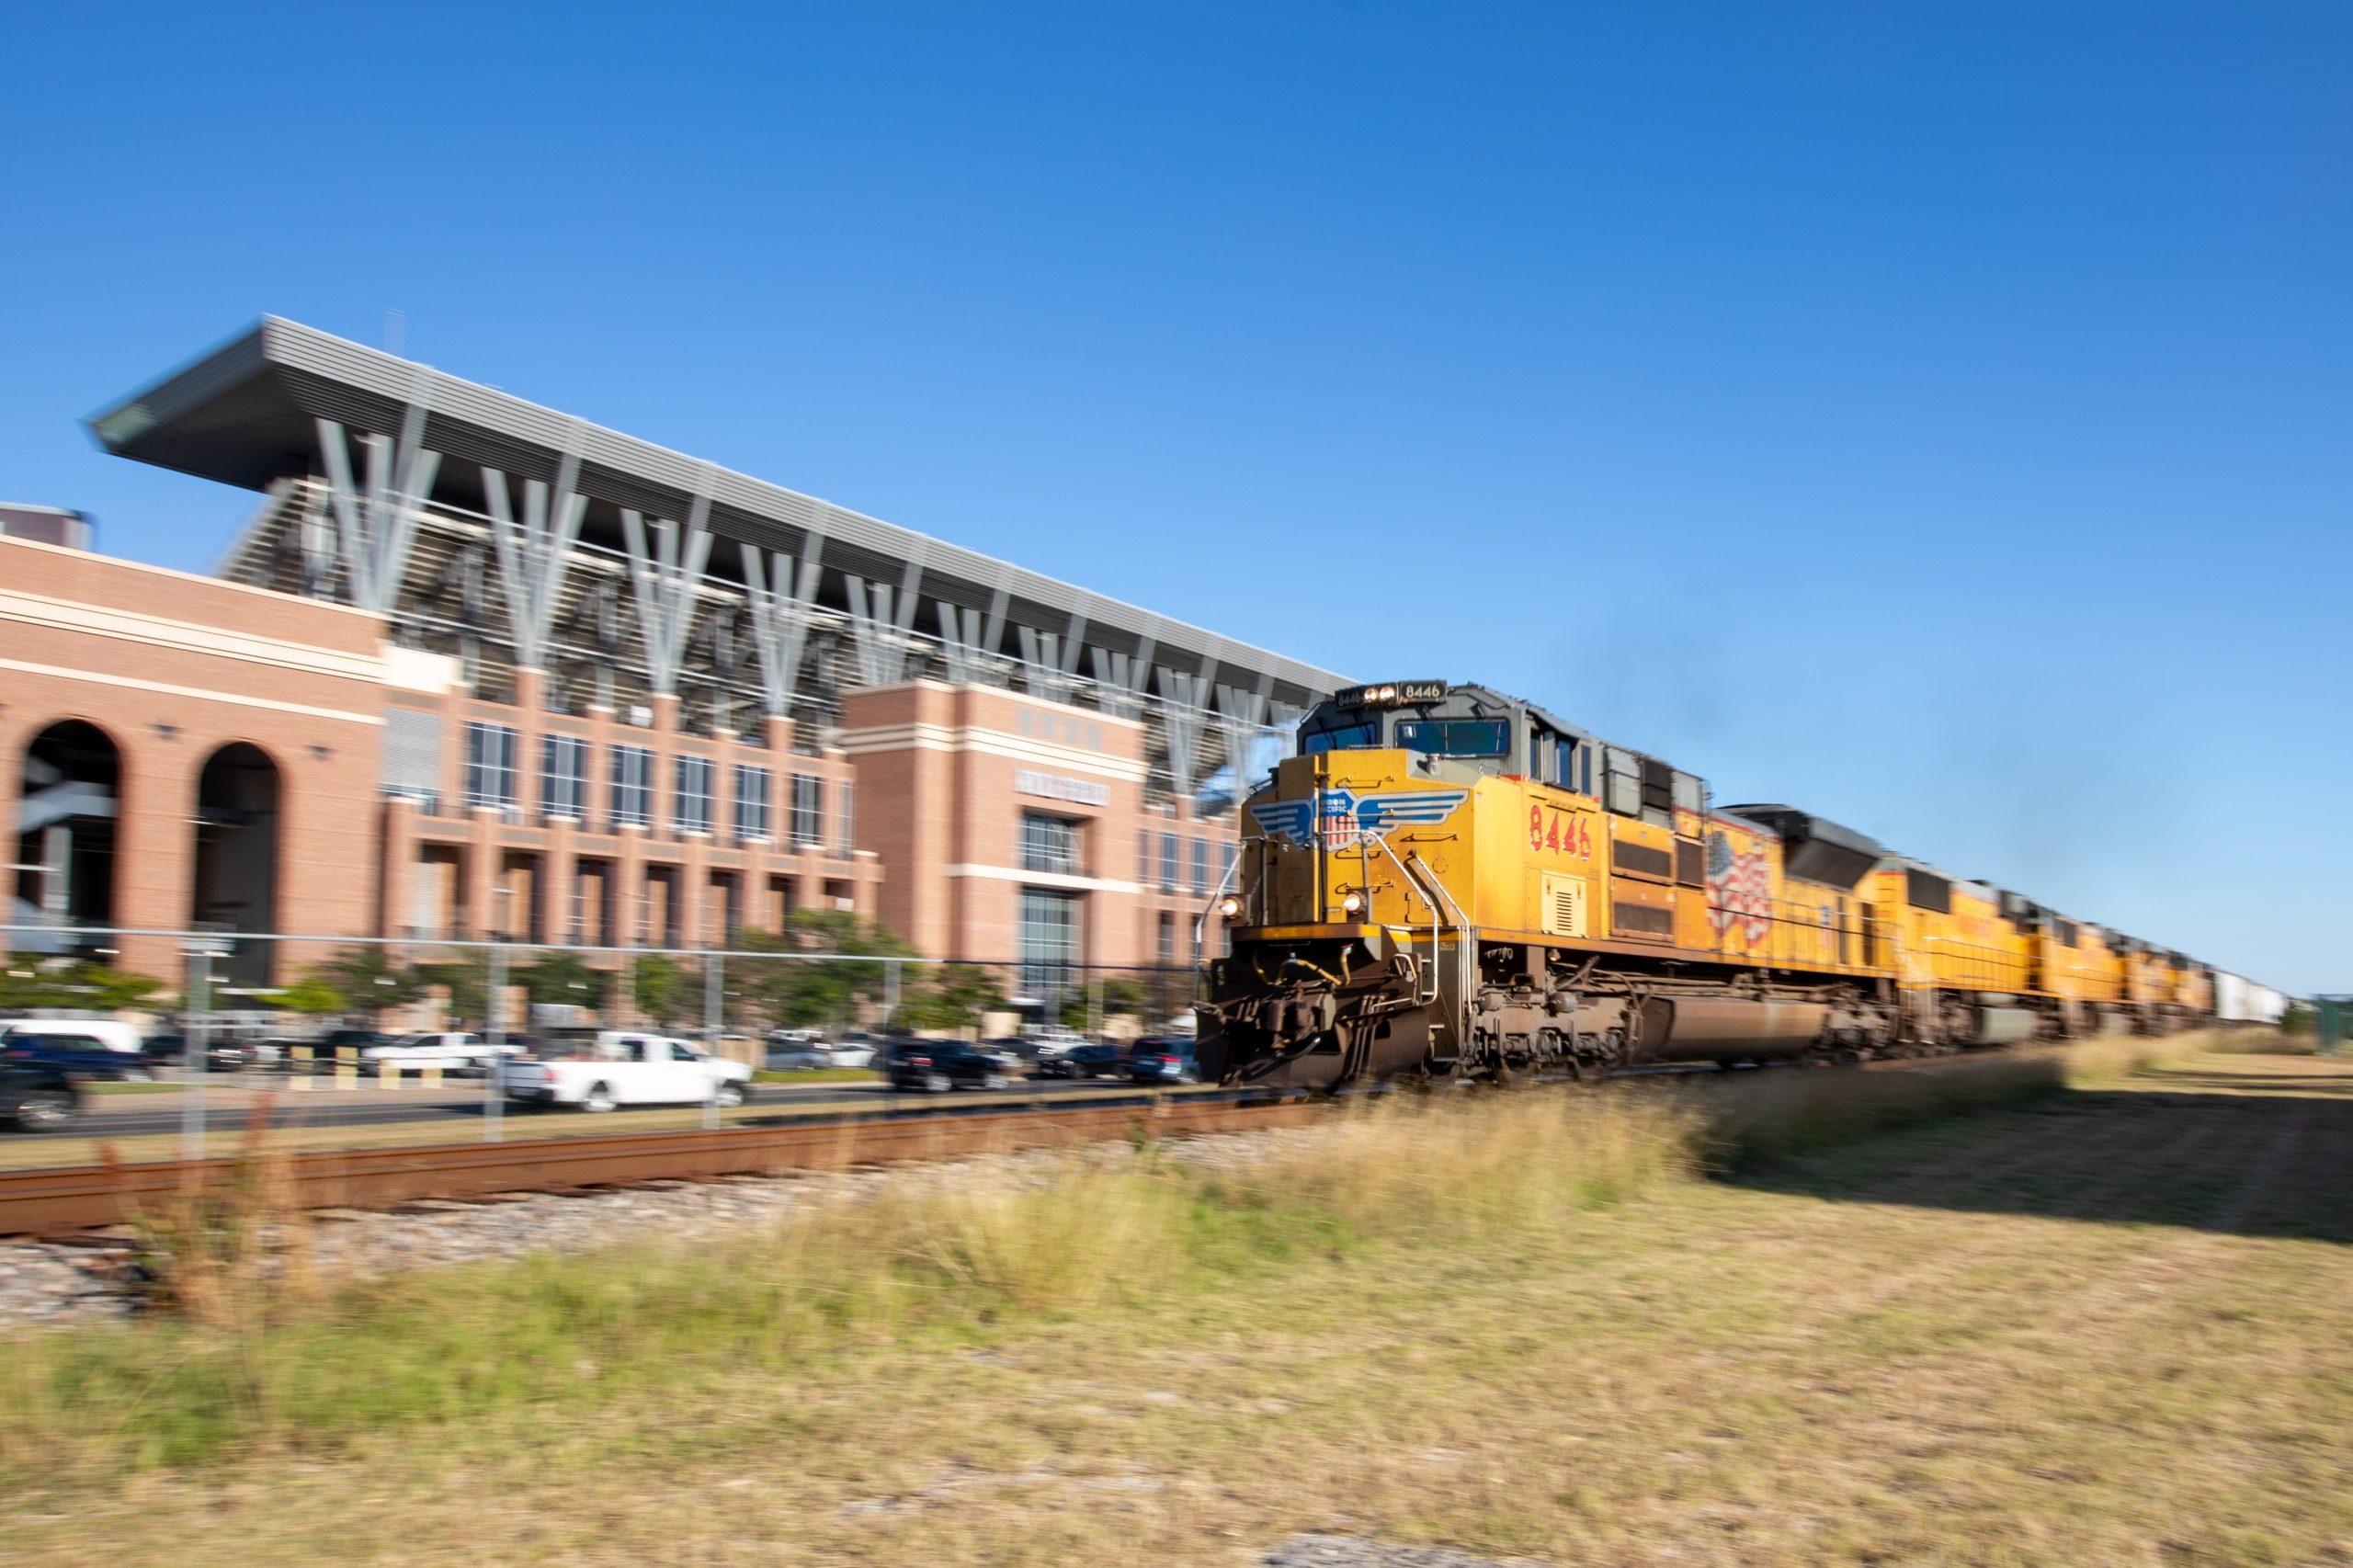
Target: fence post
{"x": 494, "y": 1103}
{"x": 890, "y": 992}
{"x": 199, "y": 1013}
{"x": 713, "y": 972}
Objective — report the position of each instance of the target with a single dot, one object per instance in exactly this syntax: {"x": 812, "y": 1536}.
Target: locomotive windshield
{"x": 1455, "y": 737}
{"x": 1346, "y": 737}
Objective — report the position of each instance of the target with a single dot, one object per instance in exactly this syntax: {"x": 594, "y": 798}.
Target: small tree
{"x": 369, "y": 979}
{"x": 954, "y": 998}
{"x": 311, "y": 997}
{"x": 562, "y": 978}
{"x": 658, "y": 984}
{"x": 812, "y": 988}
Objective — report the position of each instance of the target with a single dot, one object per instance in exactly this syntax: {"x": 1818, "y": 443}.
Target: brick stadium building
{"x": 475, "y": 667}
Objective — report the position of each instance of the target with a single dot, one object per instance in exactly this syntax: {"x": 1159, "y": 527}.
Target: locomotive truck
{"x": 1449, "y": 882}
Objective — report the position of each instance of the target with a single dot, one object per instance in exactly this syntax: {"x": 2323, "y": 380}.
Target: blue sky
{"x": 1935, "y": 417}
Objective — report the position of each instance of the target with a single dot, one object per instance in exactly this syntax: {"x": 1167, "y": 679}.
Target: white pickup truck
{"x": 618, "y": 1067}
{"x": 446, "y": 1049}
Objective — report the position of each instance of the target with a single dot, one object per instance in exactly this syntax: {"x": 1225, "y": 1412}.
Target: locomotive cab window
{"x": 1347, "y": 738}
{"x": 1455, "y": 737}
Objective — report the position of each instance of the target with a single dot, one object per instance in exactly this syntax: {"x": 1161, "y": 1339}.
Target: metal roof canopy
{"x": 246, "y": 414}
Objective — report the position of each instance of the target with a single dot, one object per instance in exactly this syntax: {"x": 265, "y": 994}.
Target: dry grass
{"x": 2098, "y": 1324}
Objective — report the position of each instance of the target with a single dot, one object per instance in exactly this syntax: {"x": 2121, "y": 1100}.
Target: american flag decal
{"x": 1740, "y": 891}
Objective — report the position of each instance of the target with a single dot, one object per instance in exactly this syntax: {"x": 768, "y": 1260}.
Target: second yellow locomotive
{"x": 1448, "y": 881}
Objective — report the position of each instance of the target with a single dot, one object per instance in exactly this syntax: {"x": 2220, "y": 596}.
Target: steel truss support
{"x": 970, "y": 640}
{"x": 376, "y": 527}
{"x": 1120, "y": 680}
{"x": 1049, "y": 659}
{"x": 664, "y": 578}
{"x": 782, "y": 610}
{"x": 532, "y": 554}
{"x": 1182, "y": 709}
{"x": 881, "y": 620}
{"x": 1242, "y": 716}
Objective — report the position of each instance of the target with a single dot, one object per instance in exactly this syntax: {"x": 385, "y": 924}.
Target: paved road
{"x": 125, "y": 1116}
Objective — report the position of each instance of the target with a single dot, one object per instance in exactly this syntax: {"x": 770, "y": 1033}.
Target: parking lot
{"x": 316, "y": 1102}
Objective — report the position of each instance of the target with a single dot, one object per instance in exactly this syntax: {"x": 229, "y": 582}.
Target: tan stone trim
{"x": 989, "y": 742}
{"x": 1094, "y": 713}
{"x": 199, "y": 693}
{"x": 185, "y": 636}
{"x": 117, "y": 563}
{"x": 1045, "y": 879}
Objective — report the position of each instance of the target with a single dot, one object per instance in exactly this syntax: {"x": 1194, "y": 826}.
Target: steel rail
{"x": 66, "y": 1200}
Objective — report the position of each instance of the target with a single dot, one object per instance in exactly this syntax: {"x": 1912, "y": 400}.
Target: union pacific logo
{"x": 1340, "y": 817}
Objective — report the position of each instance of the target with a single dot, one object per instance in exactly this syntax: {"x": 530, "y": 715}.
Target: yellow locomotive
{"x": 1448, "y": 881}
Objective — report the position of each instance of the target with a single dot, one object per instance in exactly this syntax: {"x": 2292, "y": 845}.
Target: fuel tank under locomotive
{"x": 1304, "y": 1033}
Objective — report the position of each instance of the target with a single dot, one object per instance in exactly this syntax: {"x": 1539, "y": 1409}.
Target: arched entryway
{"x": 69, "y": 801}
{"x": 235, "y": 885}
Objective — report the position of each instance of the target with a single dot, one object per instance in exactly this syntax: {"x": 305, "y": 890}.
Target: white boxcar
{"x": 2238, "y": 1000}
{"x": 2230, "y": 997}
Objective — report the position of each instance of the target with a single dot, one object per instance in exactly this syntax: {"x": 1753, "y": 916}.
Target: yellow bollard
{"x": 388, "y": 1075}
{"x": 431, "y": 1074}
{"x": 347, "y": 1067}
{"x": 300, "y": 1076}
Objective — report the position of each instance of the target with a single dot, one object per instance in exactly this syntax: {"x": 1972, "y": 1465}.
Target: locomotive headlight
{"x": 1353, "y": 903}
{"x": 1231, "y": 907}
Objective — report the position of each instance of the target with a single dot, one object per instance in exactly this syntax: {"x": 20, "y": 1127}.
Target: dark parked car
{"x": 1163, "y": 1059}
{"x": 79, "y": 1055}
{"x": 935, "y": 1066}
{"x": 1086, "y": 1061}
{"x": 220, "y": 1055}
{"x": 1018, "y": 1049}
{"x": 38, "y": 1099}
{"x": 798, "y": 1055}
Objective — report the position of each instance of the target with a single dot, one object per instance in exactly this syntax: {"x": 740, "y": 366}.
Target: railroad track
{"x": 74, "y": 1200}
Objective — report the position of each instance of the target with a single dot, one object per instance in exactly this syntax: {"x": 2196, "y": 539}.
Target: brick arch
{"x": 89, "y": 891}
{"x": 237, "y": 877}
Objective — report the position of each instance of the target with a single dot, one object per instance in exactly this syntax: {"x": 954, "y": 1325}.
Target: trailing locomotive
{"x": 1449, "y": 882}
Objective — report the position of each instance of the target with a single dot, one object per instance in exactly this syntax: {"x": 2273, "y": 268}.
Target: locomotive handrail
{"x": 1465, "y": 954}
{"x": 1201, "y": 921}
{"x": 1407, "y": 872}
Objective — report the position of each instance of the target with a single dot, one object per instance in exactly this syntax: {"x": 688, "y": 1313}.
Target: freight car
{"x": 1449, "y": 882}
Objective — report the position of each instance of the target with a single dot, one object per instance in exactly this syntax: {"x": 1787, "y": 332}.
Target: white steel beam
{"x": 665, "y": 577}
{"x": 532, "y": 555}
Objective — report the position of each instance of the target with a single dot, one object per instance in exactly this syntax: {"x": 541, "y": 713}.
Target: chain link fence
{"x": 413, "y": 1035}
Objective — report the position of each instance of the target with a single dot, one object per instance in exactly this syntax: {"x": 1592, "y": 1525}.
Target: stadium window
{"x": 808, "y": 809}
{"x": 490, "y": 765}
{"x": 564, "y": 777}
{"x": 752, "y": 801}
{"x": 1050, "y": 844}
{"x": 690, "y": 794}
{"x": 845, "y": 819}
{"x": 1167, "y": 862}
{"x": 1200, "y": 867}
{"x": 632, "y": 778}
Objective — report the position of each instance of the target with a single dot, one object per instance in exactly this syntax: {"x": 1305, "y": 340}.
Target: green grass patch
{"x": 818, "y": 1075}
{"x": 133, "y": 1088}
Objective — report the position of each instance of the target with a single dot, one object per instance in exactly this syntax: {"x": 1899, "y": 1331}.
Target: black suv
{"x": 38, "y": 1097}
{"x": 1163, "y": 1059}
{"x": 936, "y": 1066}
{"x": 82, "y": 1055}
{"x": 1086, "y": 1061}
